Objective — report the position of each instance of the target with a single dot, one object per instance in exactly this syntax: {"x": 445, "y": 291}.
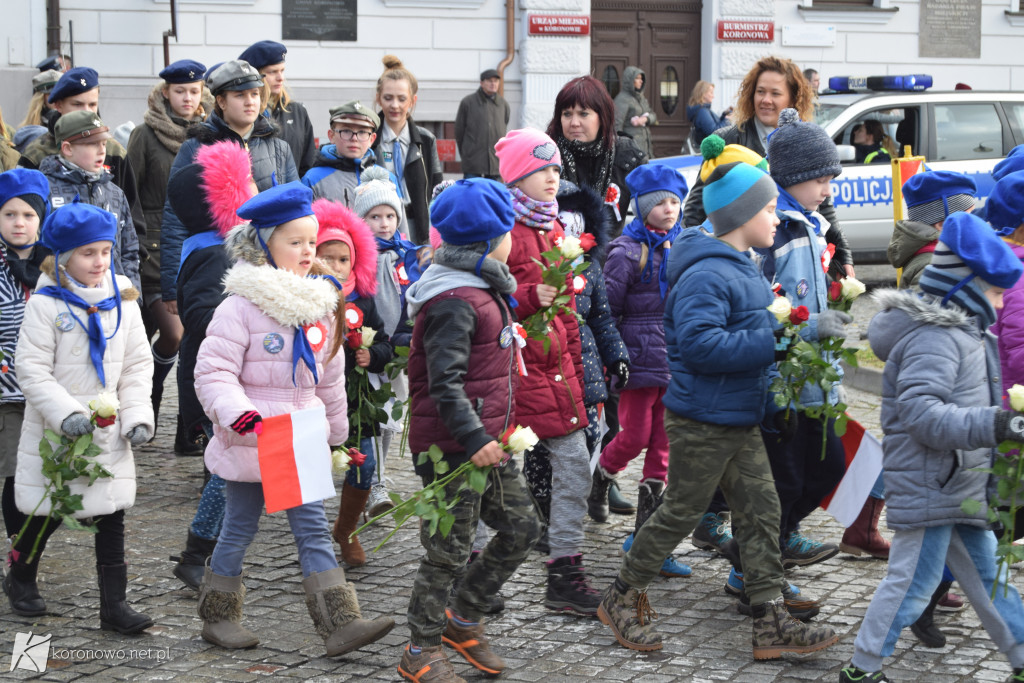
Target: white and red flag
{"x": 863, "y": 465}
{"x": 295, "y": 459}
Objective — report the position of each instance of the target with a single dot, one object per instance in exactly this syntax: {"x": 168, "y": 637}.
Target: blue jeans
{"x": 244, "y": 506}
{"x": 915, "y": 568}
{"x": 361, "y": 477}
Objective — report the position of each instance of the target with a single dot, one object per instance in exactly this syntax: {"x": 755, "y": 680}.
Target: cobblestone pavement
{"x": 705, "y": 639}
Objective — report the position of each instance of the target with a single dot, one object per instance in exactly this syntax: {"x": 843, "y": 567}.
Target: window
{"x": 880, "y": 125}
{"x": 669, "y": 88}
{"x": 967, "y": 131}
{"x": 1015, "y": 112}
{"x": 610, "y": 78}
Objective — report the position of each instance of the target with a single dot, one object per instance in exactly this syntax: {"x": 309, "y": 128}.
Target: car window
{"x": 888, "y": 121}
{"x": 967, "y": 131}
{"x": 824, "y": 113}
{"x": 1015, "y": 110}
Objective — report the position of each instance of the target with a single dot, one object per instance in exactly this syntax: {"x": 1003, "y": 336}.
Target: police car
{"x": 967, "y": 131}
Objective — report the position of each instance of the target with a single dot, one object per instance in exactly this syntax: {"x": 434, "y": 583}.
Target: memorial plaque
{"x": 950, "y": 28}
{"x": 318, "y": 19}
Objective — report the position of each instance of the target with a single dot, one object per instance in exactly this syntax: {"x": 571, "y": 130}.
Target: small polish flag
{"x": 863, "y": 465}
{"x": 295, "y": 460}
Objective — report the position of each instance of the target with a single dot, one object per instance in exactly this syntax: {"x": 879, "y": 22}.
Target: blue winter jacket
{"x": 704, "y": 120}
{"x": 721, "y": 346}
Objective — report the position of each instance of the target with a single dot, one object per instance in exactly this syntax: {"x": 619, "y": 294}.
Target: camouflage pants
{"x": 702, "y": 456}
{"x": 507, "y": 508}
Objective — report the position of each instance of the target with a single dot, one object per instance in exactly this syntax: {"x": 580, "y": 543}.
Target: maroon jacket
{"x": 550, "y": 396}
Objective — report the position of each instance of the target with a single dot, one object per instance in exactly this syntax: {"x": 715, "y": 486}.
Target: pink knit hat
{"x": 523, "y": 152}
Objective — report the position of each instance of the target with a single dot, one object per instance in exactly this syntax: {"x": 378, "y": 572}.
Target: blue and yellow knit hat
{"x": 735, "y": 193}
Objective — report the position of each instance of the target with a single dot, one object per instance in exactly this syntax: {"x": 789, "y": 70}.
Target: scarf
{"x": 639, "y": 232}
{"x": 89, "y": 175}
{"x": 587, "y": 163}
{"x": 467, "y": 259}
{"x": 168, "y": 128}
{"x": 788, "y": 203}
{"x": 94, "y": 330}
{"x": 407, "y": 252}
{"x": 533, "y": 212}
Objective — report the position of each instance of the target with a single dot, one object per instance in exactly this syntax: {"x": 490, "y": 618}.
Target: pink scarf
{"x": 532, "y": 212}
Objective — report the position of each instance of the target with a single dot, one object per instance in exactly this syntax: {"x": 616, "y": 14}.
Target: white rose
{"x": 340, "y": 461}
{"x": 1016, "y": 394}
{"x": 781, "y": 308}
{"x": 105, "y": 404}
{"x": 571, "y": 247}
{"x": 522, "y": 439}
{"x": 368, "y": 334}
{"x": 852, "y": 288}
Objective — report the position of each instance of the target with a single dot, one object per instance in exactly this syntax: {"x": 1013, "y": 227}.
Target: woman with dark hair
{"x": 583, "y": 127}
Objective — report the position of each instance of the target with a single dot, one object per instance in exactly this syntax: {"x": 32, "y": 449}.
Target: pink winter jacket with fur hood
{"x": 245, "y": 361}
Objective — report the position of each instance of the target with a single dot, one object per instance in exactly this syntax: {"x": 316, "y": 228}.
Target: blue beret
{"x": 184, "y": 71}
{"x": 932, "y": 186}
{"x": 1005, "y": 205}
{"x": 978, "y": 246}
{"x": 656, "y": 177}
{"x": 264, "y": 53}
{"x": 75, "y": 82}
{"x": 277, "y": 205}
{"x": 209, "y": 72}
{"x": 22, "y": 181}
{"x": 78, "y": 223}
{"x": 473, "y": 210}
{"x": 1013, "y": 162}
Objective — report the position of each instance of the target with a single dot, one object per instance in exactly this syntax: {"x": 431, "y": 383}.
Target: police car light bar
{"x": 905, "y": 83}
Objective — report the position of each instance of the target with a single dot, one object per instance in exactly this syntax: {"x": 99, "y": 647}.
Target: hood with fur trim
{"x": 903, "y": 311}
{"x": 227, "y": 182}
{"x": 284, "y": 297}
{"x": 241, "y": 245}
{"x": 583, "y": 200}
{"x": 335, "y": 216}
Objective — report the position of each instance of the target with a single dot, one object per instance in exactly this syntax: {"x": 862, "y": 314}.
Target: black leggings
{"x": 109, "y": 538}
{"x": 14, "y": 518}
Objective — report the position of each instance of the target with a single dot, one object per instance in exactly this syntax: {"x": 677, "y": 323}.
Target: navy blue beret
{"x": 183, "y": 71}
{"x": 473, "y": 210}
{"x": 75, "y": 82}
{"x": 264, "y": 53}
{"x": 277, "y": 205}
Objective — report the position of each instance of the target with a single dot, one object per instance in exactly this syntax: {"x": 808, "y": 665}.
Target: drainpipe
{"x": 53, "y": 27}
{"x": 510, "y": 47}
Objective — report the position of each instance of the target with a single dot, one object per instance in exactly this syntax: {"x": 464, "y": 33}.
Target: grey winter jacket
{"x": 270, "y": 155}
{"x": 940, "y": 392}
{"x": 908, "y": 238}
{"x": 65, "y": 183}
{"x": 631, "y": 102}
{"x": 480, "y": 122}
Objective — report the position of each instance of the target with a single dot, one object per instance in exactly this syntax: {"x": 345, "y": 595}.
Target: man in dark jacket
{"x": 481, "y": 121}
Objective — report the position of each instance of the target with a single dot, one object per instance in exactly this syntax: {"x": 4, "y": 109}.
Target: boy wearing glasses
{"x": 340, "y": 163}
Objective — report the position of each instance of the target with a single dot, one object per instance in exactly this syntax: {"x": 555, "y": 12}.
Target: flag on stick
{"x": 295, "y": 460}
{"x": 863, "y": 465}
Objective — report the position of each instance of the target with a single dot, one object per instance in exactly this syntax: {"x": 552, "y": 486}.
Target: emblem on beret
{"x": 545, "y": 152}
{"x": 82, "y": 81}
{"x": 191, "y": 74}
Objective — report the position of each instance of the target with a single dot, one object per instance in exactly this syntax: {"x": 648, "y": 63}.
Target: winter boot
{"x": 617, "y": 503}
{"x": 353, "y": 501}
{"x": 220, "y": 607}
{"x": 193, "y": 559}
{"x": 470, "y": 642}
{"x": 652, "y": 492}
{"x": 597, "y": 501}
{"x": 800, "y": 551}
{"x": 775, "y": 632}
{"x": 569, "y": 588}
{"x": 334, "y": 608}
{"x": 924, "y": 628}
{"x": 115, "y": 614}
{"x": 430, "y": 665}
{"x": 183, "y": 445}
{"x": 628, "y": 614}
{"x": 798, "y": 605}
{"x": 20, "y": 586}
{"x": 862, "y": 537}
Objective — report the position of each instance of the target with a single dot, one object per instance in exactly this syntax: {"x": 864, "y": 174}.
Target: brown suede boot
{"x": 353, "y": 501}
{"x": 220, "y": 606}
{"x": 863, "y": 537}
{"x": 334, "y": 608}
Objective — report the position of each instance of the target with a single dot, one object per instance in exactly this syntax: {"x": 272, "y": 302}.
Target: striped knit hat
{"x": 734, "y": 194}
{"x": 933, "y": 195}
{"x": 969, "y": 259}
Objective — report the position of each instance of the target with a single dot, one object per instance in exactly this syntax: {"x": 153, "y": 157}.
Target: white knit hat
{"x": 375, "y": 188}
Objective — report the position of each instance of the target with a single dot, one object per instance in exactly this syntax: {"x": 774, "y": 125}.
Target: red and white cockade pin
{"x": 579, "y": 283}
{"x": 401, "y": 275}
{"x": 316, "y": 335}
{"x": 353, "y": 316}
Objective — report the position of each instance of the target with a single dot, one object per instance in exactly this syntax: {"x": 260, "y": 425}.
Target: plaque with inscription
{"x": 318, "y": 19}
{"x": 950, "y": 28}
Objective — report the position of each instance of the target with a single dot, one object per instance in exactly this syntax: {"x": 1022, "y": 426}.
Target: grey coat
{"x": 940, "y": 392}
{"x": 631, "y": 102}
{"x": 480, "y": 122}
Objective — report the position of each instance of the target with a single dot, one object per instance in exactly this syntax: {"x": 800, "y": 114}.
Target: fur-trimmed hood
{"x": 585, "y": 201}
{"x": 226, "y": 181}
{"x": 903, "y": 311}
{"x": 339, "y": 223}
{"x": 49, "y": 268}
{"x": 284, "y": 297}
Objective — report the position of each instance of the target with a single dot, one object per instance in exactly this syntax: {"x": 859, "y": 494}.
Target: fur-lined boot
{"x": 334, "y": 608}
{"x": 220, "y": 606}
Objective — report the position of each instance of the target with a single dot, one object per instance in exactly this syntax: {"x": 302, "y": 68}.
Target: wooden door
{"x": 663, "y": 39}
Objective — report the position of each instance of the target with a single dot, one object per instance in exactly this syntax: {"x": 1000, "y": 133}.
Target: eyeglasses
{"x": 346, "y": 134}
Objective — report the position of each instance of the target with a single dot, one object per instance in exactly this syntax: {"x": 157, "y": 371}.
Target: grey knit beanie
{"x": 799, "y": 151}
{"x": 646, "y": 202}
{"x": 375, "y": 188}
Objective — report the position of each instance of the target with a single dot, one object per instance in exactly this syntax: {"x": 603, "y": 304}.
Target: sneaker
{"x": 712, "y": 531}
{"x": 951, "y": 601}
{"x": 629, "y": 616}
{"x": 379, "y": 501}
{"x": 775, "y": 632}
{"x": 469, "y": 641}
{"x": 801, "y": 608}
{"x": 431, "y": 665}
{"x": 852, "y": 674}
{"x": 800, "y": 551}
{"x": 734, "y": 585}
{"x": 673, "y": 569}
{"x": 569, "y": 588}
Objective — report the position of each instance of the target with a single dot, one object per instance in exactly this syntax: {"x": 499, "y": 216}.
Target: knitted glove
{"x": 620, "y": 369}
{"x": 833, "y": 324}
{"x": 139, "y": 434}
{"x": 1009, "y": 426}
{"x": 248, "y": 422}
{"x": 76, "y": 424}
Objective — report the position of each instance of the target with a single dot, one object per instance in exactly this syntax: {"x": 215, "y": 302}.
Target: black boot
{"x": 651, "y": 493}
{"x": 924, "y": 628}
{"x": 193, "y": 560}
{"x": 597, "y": 501}
{"x": 20, "y": 586}
{"x": 183, "y": 445}
{"x": 115, "y": 614}
{"x": 569, "y": 587}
